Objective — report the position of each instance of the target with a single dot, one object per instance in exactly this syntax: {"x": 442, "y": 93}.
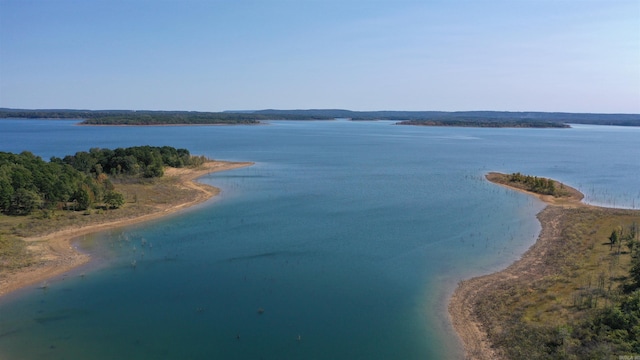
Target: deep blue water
{"x": 350, "y": 236}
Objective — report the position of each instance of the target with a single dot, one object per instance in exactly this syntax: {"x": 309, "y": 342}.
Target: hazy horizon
{"x": 560, "y": 56}
{"x": 313, "y": 109}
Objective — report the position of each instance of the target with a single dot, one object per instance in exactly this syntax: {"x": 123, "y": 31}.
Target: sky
{"x": 215, "y": 55}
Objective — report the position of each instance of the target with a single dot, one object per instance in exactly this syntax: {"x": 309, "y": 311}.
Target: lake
{"x": 343, "y": 241}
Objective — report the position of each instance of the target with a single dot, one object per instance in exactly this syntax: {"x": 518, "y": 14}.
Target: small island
{"x": 45, "y": 205}
{"x": 575, "y": 294}
{"x": 486, "y": 123}
{"x": 548, "y": 190}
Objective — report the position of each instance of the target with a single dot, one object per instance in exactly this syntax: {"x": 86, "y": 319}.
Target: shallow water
{"x": 349, "y": 235}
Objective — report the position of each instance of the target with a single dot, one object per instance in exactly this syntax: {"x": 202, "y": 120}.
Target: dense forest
{"x": 433, "y": 118}
{"x": 77, "y": 182}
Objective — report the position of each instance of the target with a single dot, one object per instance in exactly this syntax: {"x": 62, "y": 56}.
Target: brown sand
{"x": 462, "y": 303}
{"x": 56, "y": 254}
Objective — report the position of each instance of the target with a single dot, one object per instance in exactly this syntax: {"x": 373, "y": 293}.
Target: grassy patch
{"x": 554, "y": 312}
{"x": 13, "y": 254}
{"x": 142, "y": 196}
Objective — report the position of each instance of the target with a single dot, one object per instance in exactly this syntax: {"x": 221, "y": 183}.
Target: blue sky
{"x": 515, "y": 55}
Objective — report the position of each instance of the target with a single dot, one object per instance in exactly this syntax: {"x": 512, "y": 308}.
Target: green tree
{"x": 82, "y": 161}
{"x": 21, "y": 177}
{"x": 24, "y": 201}
{"x": 83, "y": 197}
{"x": 153, "y": 170}
{"x": 632, "y": 242}
{"x": 635, "y": 271}
{"x": 113, "y": 199}
{"x": 6, "y": 192}
{"x": 613, "y": 238}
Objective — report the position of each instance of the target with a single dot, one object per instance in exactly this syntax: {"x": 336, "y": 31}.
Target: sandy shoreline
{"x": 60, "y": 256}
{"x": 462, "y": 303}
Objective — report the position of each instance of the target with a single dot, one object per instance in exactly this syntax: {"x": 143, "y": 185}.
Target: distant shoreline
{"x": 510, "y": 119}
{"x": 81, "y": 123}
{"x": 487, "y": 123}
{"x": 462, "y": 303}
{"x": 61, "y": 257}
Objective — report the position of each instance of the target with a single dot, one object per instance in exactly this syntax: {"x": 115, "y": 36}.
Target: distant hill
{"x": 132, "y": 117}
{"x": 460, "y": 118}
{"x": 433, "y": 118}
{"x": 486, "y": 122}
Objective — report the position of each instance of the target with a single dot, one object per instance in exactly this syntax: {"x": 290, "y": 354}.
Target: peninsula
{"x": 574, "y": 294}
{"x": 38, "y": 246}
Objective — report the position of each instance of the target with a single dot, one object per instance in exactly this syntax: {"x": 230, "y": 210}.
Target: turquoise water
{"x": 349, "y": 235}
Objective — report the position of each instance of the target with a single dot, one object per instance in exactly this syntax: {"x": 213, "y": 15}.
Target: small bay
{"x": 343, "y": 241}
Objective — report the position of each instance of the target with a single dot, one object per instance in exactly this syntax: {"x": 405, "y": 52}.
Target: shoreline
{"x": 461, "y": 308}
{"x": 60, "y": 256}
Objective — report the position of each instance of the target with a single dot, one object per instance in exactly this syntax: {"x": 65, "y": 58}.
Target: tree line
{"x": 535, "y": 184}
{"x": 146, "y": 161}
{"x": 484, "y": 123}
{"x": 77, "y": 182}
